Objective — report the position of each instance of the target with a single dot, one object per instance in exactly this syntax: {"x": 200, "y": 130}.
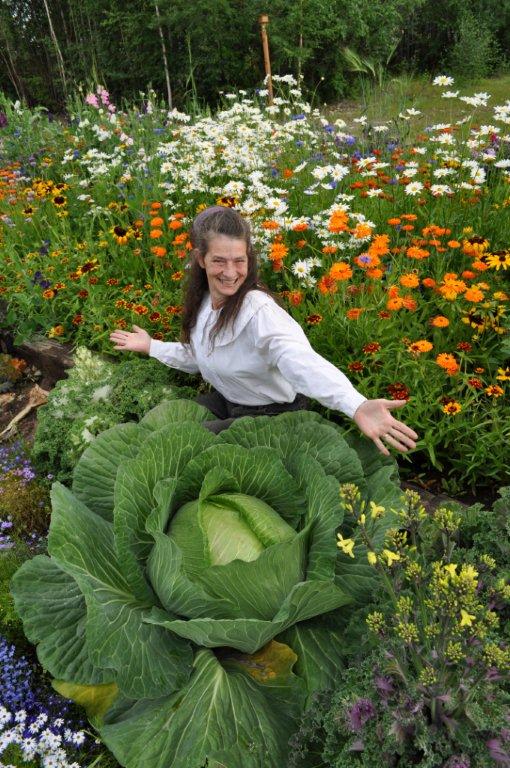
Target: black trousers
{"x": 227, "y": 412}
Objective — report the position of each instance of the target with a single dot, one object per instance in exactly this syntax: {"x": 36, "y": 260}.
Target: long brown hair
{"x": 210, "y": 222}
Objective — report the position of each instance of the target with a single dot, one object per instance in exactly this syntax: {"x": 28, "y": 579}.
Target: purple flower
{"x": 3, "y": 120}
{"x": 498, "y": 752}
{"x": 458, "y": 761}
{"x": 359, "y": 714}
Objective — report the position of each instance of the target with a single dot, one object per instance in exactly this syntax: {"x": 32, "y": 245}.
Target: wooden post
{"x": 264, "y": 21}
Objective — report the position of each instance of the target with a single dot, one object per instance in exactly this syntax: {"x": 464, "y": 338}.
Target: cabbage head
{"x": 193, "y": 596}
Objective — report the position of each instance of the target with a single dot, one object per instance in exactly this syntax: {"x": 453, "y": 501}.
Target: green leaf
{"x": 147, "y": 662}
{"x": 356, "y": 576}
{"x": 305, "y": 601}
{"x": 240, "y": 713}
{"x": 164, "y": 454}
{"x": 94, "y": 475}
{"x": 53, "y": 611}
{"x": 173, "y": 412}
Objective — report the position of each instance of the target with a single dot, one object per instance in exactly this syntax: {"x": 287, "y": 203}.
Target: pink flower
{"x": 91, "y": 100}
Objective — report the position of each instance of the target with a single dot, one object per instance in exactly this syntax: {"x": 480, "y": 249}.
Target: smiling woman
{"x": 255, "y": 356}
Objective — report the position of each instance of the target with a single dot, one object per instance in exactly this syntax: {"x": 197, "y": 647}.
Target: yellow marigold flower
{"x": 346, "y": 545}
{"x": 372, "y": 558}
{"x": 466, "y": 619}
{"x": 452, "y": 409}
{"x": 494, "y": 390}
{"x": 390, "y": 556}
{"x": 420, "y": 346}
{"x": 376, "y": 510}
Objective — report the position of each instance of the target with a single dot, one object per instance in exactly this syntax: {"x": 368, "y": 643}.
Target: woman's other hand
{"x": 137, "y": 341}
{"x": 374, "y": 419}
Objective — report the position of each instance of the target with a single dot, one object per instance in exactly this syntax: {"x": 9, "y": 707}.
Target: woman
{"x": 254, "y": 354}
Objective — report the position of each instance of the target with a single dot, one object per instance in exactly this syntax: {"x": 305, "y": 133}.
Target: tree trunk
{"x": 164, "y": 56}
{"x": 58, "y": 52}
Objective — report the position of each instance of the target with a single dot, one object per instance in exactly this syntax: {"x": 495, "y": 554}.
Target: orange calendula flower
{"x": 340, "y": 270}
{"x": 270, "y": 224}
{"x": 452, "y": 408}
{"x": 155, "y": 234}
{"x": 159, "y": 251}
{"x": 409, "y": 303}
{"x": 448, "y": 362}
{"x": 302, "y": 226}
{"x": 157, "y": 222}
{"x": 278, "y": 251}
{"x": 327, "y": 284}
{"x": 175, "y": 224}
{"x": 453, "y": 244}
{"x": 417, "y": 253}
{"x": 354, "y": 313}
{"x": 439, "y": 321}
{"x": 380, "y": 246}
{"x": 394, "y": 222}
{"x": 330, "y": 249}
{"x": 417, "y": 347}
{"x": 339, "y": 221}
{"x": 295, "y": 298}
{"x": 474, "y": 294}
{"x": 374, "y": 273}
{"x": 428, "y": 282}
{"x": 494, "y": 390}
{"x": 409, "y": 280}
{"x": 362, "y": 230}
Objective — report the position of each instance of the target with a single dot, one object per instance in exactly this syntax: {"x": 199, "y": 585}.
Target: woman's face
{"x": 226, "y": 267}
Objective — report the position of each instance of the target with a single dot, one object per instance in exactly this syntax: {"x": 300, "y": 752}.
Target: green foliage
{"x": 10, "y": 624}
{"x": 192, "y": 601}
{"x": 475, "y": 51}
{"x": 95, "y": 396}
{"x": 26, "y": 504}
{"x": 434, "y": 688}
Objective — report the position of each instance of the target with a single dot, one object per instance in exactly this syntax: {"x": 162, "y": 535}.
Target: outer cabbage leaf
{"x": 241, "y": 711}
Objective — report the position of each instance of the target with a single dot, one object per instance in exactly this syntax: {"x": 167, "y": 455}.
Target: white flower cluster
{"x": 43, "y": 743}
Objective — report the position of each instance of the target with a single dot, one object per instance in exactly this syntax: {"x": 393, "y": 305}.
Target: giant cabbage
{"x": 193, "y": 594}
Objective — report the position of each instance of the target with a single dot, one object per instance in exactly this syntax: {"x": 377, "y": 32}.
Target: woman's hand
{"x": 374, "y": 419}
{"x": 138, "y": 341}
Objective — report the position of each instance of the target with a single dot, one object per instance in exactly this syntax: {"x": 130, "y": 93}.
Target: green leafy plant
{"x": 434, "y": 692}
{"x": 190, "y": 600}
{"x": 95, "y": 396}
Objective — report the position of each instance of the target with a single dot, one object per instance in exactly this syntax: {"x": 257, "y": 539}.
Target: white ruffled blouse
{"x": 263, "y": 358}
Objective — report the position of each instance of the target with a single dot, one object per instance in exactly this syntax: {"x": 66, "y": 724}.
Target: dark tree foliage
{"x": 214, "y": 45}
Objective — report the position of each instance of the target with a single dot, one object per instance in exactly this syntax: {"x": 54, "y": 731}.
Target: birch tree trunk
{"x": 164, "y": 56}
{"x": 58, "y": 52}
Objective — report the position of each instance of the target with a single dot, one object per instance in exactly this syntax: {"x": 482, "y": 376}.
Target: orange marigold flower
{"x": 453, "y": 244}
{"x": 407, "y": 227}
{"x": 417, "y": 253}
{"x": 155, "y": 233}
{"x": 338, "y": 221}
{"x": 175, "y": 224}
{"x": 409, "y": 303}
{"x": 295, "y": 298}
{"x": 474, "y": 294}
{"x": 157, "y": 222}
{"x": 159, "y": 251}
{"x": 327, "y": 284}
{"x": 48, "y": 294}
{"x": 408, "y": 216}
{"x": 394, "y": 222}
{"x": 379, "y": 246}
{"x": 180, "y": 238}
{"x": 155, "y": 206}
{"x": 340, "y": 270}
{"x": 302, "y": 226}
{"x": 479, "y": 369}
{"x": 371, "y": 348}
{"x": 395, "y": 303}
{"x": 287, "y": 173}
{"x": 417, "y": 347}
{"x": 362, "y": 230}
{"x": 480, "y": 266}
{"x": 301, "y": 243}
{"x": 270, "y": 224}
{"x": 374, "y": 273}
{"x": 278, "y": 251}
{"x": 409, "y": 280}
{"x": 354, "y": 313}
{"x": 428, "y": 282}
{"x": 468, "y": 275}
{"x": 140, "y": 309}
{"x": 452, "y": 408}
{"x": 448, "y": 362}
{"x": 494, "y": 390}
{"x": 330, "y": 249}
